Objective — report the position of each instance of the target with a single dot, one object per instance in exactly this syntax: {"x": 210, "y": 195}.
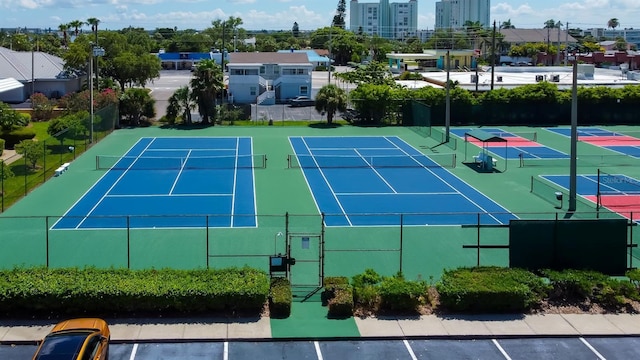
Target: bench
{"x": 481, "y": 159}
{"x": 59, "y": 171}
{"x": 65, "y": 166}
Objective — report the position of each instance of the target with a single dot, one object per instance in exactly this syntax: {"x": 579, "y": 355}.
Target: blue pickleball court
{"x": 171, "y": 182}
{"x": 383, "y": 176}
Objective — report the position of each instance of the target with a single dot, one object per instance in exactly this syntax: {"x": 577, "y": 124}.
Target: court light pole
{"x": 96, "y": 51}
{"x": 574, "y": 137}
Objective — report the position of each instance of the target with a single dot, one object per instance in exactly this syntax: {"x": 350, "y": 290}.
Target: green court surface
{"x": 420, "y": 252}
{"x": 310, "y": 320}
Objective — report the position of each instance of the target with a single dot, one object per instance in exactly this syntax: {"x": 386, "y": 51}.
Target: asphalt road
{"x": 566, "y": 348}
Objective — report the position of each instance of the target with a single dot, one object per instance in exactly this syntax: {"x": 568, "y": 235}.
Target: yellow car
{"x": 85, "y": 338}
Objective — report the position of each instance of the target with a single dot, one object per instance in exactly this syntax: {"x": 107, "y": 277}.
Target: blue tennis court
{"x": 168, "y": 182}
{"x": 519, "y": 145}
{"x": 383, "y": 176}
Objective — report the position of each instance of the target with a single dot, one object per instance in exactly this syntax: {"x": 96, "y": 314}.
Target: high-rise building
{"x": 455, "y": 13}
{"x": 387, "y": 20}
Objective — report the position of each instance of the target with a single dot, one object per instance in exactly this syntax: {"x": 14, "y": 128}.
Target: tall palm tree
{"x": 63, "y": 28}
{"x": 76, "y": 24}
{"x": 613, "y": 23}
{"x": 331, "y": 99}
{"x": 206, "y": 84}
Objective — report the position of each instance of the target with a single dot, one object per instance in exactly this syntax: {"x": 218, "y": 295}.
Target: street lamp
{"x": 96, "y": 51}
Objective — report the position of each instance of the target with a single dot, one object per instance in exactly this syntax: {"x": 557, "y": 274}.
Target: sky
{"x": 281, "y": 14}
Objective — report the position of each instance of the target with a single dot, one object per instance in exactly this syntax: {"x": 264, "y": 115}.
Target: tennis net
{"x": 614, "y": 186}
{"x": 605, "y": 136}
{"x": 385, "y": 161}
{"x": 518, "y": 136}
{"x": 583, "y": 160}
{"x": 176, "y": 163}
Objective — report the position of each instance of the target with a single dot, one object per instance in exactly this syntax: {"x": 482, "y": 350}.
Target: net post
{"x": 289, "y": 161}
{"x": 598, "y": 196}
{"x": 521, "y": 157}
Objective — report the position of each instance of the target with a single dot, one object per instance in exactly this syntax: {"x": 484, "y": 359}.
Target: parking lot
{"x": 566, "y": 348}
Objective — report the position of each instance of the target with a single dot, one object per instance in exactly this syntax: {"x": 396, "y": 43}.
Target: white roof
{"x": 10, "y": 84}
{"x": 512, "y": 77}
{"x": 416, "y": 84}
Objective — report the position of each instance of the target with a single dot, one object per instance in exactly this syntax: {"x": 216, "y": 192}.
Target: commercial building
{"x": 453, "y": 14}
{"x": 387, "y": 20}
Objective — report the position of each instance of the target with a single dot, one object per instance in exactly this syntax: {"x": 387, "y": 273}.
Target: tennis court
{"x": 379, "y": 175}
{"x": 617, "y": 192}
{"x": 619, "y": 142}
{"x": 521, "y": 145}
{"x": 168, "y": 182}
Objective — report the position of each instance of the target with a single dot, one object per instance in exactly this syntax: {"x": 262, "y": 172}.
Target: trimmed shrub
{"x": 398, "y": 294}
{"x": 280, "y": 298}
{"x": 366, "y": 289}
{"x": 14, "y": 137}
{"x": 1, "y": 146}
{"x": 591, "y": 285}
{"x": 490, "y": 289}
{"x": 75, "y": 291}
{"x": 338, "y": 296}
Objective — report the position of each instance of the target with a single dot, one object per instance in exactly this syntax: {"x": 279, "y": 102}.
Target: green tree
{"x": 68, "y": 126}
{"x": 338, "y": 18}
{"x": 76, "y": 25}
{"x": 507, "y": 25}
{"x": 620, "y": 45}
{"x": 6, "y": 171}
{"x": 136, "y": 105}
{"x": 31, "y": 150}
{"x": 295, "y": 31}
{"x": 613, "y": 23}
{"x": 207, "y": 83}
{"x": 180, "y": 102}
{"x": 331, "y": 99}
{"x": 9, "y": 118}
{"x": 373, "y": 73}
{"x": 42, "y": 107}
{"x": 65, "y": 37}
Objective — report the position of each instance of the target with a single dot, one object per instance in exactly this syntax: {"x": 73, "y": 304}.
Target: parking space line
{"x": 409, "y": 349}
{"x": 225, "y": 351}
{"x": 504, "y": 353}
{"x": 318, "y": 352}
{"x": 592, "y": 349}
{"x": 133, "y": 352}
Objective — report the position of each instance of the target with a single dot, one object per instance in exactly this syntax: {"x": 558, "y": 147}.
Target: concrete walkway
{"x": 9, "y": 156}
{"x": 430, "y": 326}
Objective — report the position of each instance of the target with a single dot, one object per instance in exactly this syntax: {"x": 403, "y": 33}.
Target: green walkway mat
{"x": 309, "y": 320}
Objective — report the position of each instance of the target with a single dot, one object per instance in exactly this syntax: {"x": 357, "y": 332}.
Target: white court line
{"x": 404, "y": 193}
{"x": 595, "y": 352}
{"x": 114, "y": 184}
{"x": 184, "y": 163}
{"x": 133, "y": 352}
{"x": 164, "y": 195}
{"x": 235, "y": 182}
{"x": 225, "y": 351}
{"x": 504, "y": 353}
{"x": 376, "y": 171}
{"x": 453, "y": 188}
{"x": 326, "y": 181}
{"x": 318, "y": 352}
{"x": 410, "y": 350}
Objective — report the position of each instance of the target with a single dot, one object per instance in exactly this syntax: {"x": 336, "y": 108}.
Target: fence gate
{"x": 308, "y": 272}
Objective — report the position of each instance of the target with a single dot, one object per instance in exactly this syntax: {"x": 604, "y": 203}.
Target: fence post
{"x": 206, "y": 228}
{"x": 478, "y": 243}
{"x": 128, "y": 244}
{"x": 25, "y": 173}
{"x": 44, "y": 161}
{"x": 2, "y": 183}
{"x": 46, "y": 224}
{"x": 401, "y": 238}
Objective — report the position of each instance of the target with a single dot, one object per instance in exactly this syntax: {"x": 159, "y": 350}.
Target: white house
{"x": 268, "y": 77}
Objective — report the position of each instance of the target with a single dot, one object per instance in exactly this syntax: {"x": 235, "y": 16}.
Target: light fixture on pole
{"x": 96, "y": 51}
{"x": 275, "y": 241}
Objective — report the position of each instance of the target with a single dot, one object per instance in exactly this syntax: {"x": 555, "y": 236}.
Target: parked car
{"x": 351, "y": 115}
{"x": 302, "y": 101}
{"x": 84, "y": 338}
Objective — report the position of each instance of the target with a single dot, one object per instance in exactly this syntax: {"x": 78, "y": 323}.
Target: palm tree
{"x": 507, "y": 25}
{"x": 206, "y": 84}
{"x": 63, "y": 28}
{"x": 331, "y": 99}
{"x": 613, "y": 23}
{"x": 94, "y": 28}
{"x": 180, "y": 102}
{"x": 76, "y": 24}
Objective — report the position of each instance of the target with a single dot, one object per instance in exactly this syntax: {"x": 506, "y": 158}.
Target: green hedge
{"x": 1, "y": 146}
{"x": 338, "y": 295}
{"x": 78, "y": 291}
{"x": 398, "y": 294}
{"x": 280, "y": 298}
{"x": 581, "y": 285}
{"x": 14, "y": 137}
{"x": 490, "y": 289}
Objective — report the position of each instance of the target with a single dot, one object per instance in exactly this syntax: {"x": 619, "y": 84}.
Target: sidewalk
{"x": 430, "y": 326}
{"x": 9, "y": 156}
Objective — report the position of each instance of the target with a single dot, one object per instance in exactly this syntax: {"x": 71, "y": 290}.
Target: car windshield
{"x": 64, "y": 346}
